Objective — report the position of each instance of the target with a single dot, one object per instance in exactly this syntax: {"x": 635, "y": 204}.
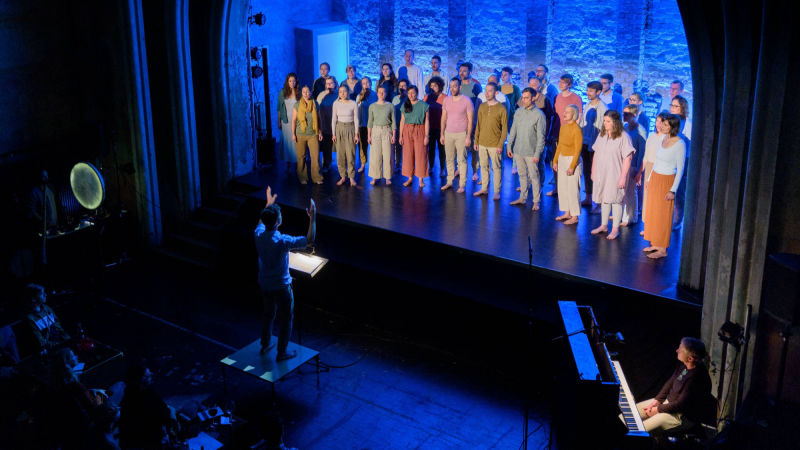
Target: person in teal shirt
{"x": 414, "y": 128}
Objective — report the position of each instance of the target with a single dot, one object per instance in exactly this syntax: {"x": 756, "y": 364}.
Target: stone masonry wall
{"x": 627, "y": 38}
{"x": 586, "y": 38}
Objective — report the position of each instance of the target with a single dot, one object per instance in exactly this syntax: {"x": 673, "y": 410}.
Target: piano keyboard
{"x": 627, "y": 403}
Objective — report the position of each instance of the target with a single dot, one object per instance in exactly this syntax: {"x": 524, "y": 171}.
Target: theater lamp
{"x": 731, "y": 333}
{"x": 87, "y": 185}
{"x": 258, "y": 19}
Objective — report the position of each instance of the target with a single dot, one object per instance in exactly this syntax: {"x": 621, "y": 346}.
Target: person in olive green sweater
{"x": 490, "y": 134}
{"x": 381, "y": 128}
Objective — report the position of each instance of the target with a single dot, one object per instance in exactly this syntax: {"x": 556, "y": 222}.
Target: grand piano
{"x": 592, "y": 389}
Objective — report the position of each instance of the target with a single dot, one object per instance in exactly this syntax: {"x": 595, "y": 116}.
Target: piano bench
{"x": 694, "y": 436}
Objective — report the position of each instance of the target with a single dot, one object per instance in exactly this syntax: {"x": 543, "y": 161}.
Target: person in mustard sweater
{"x": 567, "y": 163}
{"x": 490, "y": 134}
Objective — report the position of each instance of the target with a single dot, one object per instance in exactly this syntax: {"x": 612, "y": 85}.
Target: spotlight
{"x": 255, "y": 53}
{"x": 256, "y": 71}
{"x": 258, "y": 19}
{"x": 731, "y": 333}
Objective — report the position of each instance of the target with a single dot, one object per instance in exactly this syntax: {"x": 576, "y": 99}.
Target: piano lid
{"x": 579, "y": 342}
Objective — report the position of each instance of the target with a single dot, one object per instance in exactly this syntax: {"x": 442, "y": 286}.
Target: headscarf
{"x": 303, "y": 108}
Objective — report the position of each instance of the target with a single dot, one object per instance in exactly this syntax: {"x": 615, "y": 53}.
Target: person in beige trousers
{"x": 490, "y": 134}
{"x": 306, "y": 134}
{"x": 344, "y": 122}
{"x": 381, "y": 127}
{"x": 457, "y": 112}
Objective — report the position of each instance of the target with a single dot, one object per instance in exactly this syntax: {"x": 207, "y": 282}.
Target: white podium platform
{"x": 248, "y": 360}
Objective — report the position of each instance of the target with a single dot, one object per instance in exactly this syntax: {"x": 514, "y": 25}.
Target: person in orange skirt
{"x": 652, "y": 144}
{"x": 414, "y": 128}
{"x": 661, "y": 187}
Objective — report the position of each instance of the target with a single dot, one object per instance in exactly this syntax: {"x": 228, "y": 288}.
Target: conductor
{"x": 273, "y": 273}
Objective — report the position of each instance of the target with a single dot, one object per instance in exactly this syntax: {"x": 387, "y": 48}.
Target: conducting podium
{"x": 249, "y": 359}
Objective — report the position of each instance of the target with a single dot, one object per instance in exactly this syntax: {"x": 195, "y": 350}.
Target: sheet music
{"x": 305, "y": 263}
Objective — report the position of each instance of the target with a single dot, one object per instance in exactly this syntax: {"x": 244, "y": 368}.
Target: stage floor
{"x": 488, "y": 227}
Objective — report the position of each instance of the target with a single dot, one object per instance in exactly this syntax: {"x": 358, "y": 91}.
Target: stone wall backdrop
{"x": 632, "y": 39}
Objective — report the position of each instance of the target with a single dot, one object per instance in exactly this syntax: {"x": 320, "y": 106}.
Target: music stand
{"x": 307, "y": 266}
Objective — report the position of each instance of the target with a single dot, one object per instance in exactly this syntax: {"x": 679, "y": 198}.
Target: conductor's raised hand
{"x": 270, "y": 196}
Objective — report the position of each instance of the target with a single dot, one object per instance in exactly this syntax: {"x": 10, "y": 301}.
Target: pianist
{"x": 683, "y": 399}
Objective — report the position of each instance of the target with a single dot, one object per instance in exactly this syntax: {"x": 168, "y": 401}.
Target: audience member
{"x": 144, "y": 417}
{"x": 44, "y": 322}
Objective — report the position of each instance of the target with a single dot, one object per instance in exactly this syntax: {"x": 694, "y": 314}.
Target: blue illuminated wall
{"x": 631, "y": 39}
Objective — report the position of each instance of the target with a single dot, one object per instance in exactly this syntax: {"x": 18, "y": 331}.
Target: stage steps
{"x": 198, "y": 240}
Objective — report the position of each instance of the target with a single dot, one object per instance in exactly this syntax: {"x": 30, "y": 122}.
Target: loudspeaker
{"x": 777, "y": 354}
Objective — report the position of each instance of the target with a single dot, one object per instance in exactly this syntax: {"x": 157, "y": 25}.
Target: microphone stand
{"x": 44, "y": 229}
{"x": 528, "y": 356}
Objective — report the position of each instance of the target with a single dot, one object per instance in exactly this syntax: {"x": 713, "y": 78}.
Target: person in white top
{"x": 653, "y": 142}
{"x": 498, "y": 96}
{"x": 662, "y": 185}
{"x": 680, "y": 106}
{"x": 410, "y": 71}
{"x": 344, "y": 123}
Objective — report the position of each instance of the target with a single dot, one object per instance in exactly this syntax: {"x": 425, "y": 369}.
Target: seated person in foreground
{"x": 73, "y": 407}
{"x": 43, "y": 320}
{"x": 144, "y": 418}
{"x": 683, "y": 398}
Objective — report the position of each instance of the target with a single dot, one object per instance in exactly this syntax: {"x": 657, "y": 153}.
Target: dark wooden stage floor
{"x": 484, "y": 226}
